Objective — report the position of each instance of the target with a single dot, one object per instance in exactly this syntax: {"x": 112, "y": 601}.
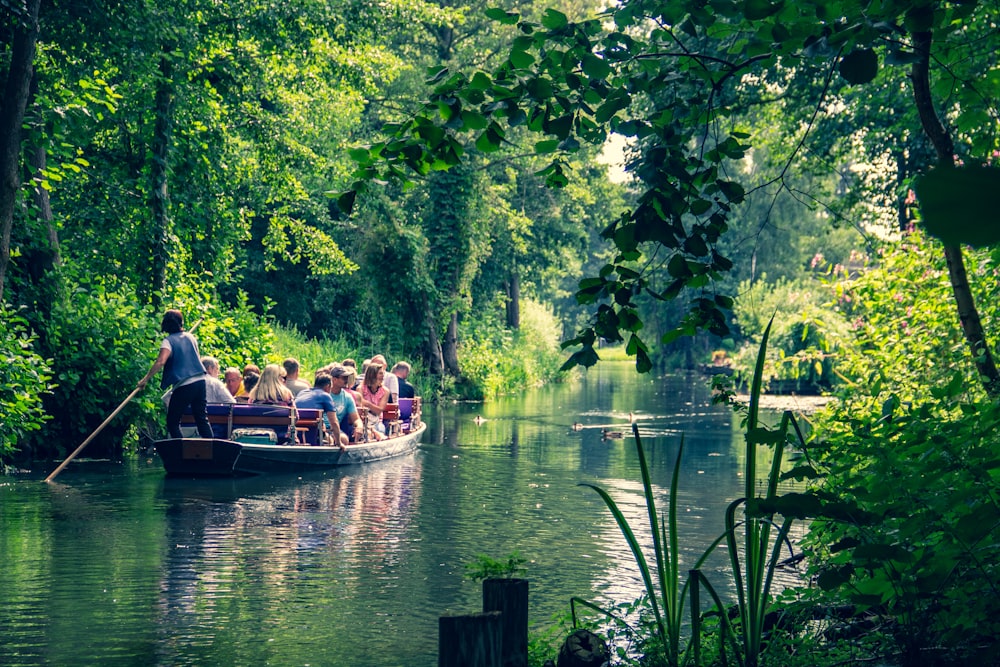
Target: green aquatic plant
{"x": 667, "y": 586}
{"x": 486, "y": 567}
{"x": 754, "y": 576}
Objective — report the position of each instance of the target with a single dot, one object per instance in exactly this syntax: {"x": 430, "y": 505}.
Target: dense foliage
{"x": 24, "y": 376}
{"x": 914, "y": 447}
{"x": 182, "y": 156}
{"x": 259, "y": 163}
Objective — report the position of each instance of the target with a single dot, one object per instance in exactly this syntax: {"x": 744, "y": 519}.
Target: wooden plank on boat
{"x": 196, "y": 450}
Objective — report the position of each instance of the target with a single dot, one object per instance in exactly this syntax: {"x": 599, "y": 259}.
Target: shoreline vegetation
{"x": 493, "y": 363}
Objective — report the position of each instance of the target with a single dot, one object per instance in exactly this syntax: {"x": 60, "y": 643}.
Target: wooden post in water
{"x": 510, "y": 597}
{"x": 472, "y": 640}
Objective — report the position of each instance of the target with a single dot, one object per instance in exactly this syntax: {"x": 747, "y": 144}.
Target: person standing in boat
{"x": 215, "y": 390}
{"x": 183, "y": 371}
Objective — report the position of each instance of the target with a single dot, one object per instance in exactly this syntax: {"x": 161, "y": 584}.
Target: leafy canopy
{"x": 665, "y": 76}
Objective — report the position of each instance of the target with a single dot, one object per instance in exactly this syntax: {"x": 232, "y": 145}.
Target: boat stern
{"x": 199, "y": 457}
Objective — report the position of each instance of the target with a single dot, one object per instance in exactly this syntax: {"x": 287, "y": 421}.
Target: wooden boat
{"x": 262, "y": 439}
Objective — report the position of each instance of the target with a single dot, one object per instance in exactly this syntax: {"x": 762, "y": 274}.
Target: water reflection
{"x": 302, "y": 558}
{"x": 118, "y": 565}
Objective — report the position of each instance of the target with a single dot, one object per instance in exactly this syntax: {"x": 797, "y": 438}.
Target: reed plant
{"x": 667, "y": 585}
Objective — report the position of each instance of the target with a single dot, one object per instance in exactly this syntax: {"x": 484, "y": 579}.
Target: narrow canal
{"x": 117, "y": 565}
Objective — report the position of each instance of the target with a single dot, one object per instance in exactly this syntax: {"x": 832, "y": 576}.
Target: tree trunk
{"x": 41, "y": 198}
{"x": 15, "y": 99}
{"x": 968, "y": 315}
{"x": 433, "y": 357}
{"x": 902, "y": 216}
{"x": 449, "y": 349}
{"x": 42, "y": 256}
{"x": 159, "y": 192}
{"x": 513, "y": 287}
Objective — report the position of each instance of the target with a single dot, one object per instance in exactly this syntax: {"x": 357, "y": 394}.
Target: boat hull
{"x": 216, "y": 457}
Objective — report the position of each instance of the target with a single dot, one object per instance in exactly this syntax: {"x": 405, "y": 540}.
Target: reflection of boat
{"x": 214, "y": 457}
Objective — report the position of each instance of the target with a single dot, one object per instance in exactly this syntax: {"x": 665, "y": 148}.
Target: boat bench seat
{"x": 302, "y": 424}
{"x": 409, "y": 413}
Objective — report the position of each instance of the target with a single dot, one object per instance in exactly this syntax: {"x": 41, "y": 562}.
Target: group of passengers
{"x": 337, "y": 391}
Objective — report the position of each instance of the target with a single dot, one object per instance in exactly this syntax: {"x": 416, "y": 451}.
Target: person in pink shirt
{"x": 374, "y": 396}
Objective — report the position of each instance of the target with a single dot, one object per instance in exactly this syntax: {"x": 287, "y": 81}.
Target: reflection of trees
{"x": 271, "y": 567}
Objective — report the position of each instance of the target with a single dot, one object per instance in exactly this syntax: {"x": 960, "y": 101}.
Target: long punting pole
{"x": 101, "y": 427}
{"x": 92, "y": 435}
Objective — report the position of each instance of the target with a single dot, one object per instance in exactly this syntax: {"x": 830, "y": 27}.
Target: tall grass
{"x": 310, "y": 353}
{"x": 495, "y": 360}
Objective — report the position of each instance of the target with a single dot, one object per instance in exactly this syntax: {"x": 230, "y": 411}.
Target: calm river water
{"x": 117, "y": 565}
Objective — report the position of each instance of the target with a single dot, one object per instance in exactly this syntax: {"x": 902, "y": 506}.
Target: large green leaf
{"x": 956, "y": 205}
{"x": 859, "y": 67}
{"x": 501, "y": 15}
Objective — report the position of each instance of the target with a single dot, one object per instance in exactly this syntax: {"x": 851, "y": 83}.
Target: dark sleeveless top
{"x": 184, "y": 361}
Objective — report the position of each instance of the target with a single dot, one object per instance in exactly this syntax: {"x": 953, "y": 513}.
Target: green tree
{"x": 663, "y": 75}
{"x": 22, "y": 32}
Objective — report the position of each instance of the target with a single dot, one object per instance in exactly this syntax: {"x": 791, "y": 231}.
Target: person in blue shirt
{"x": 327, "y": 394}
{"x": 183, "y": 372}
{"x": 343, "y": 401}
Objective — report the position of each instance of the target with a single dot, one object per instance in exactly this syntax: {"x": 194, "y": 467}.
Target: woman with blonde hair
{"x": 270, "y": 388}
{"x": 352, "y": 380}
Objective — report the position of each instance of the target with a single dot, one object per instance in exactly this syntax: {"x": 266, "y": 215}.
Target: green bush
{"x": 807, "y": 330}
{"x": 497, "y": 361}
{"x": 913, "y": 448}
{"x": 100, "y": 340}
{"x": 233, "y": 333}
{"x": 921, "y": 551}
{"x": 24, "y": 378}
